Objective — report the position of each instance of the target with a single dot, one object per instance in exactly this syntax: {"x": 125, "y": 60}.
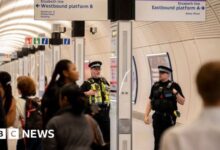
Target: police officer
{"x": 97, "y": 90}
{"x": 164, "y": 96}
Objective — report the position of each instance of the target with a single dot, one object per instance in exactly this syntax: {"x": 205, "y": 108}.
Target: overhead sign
{"x": 14, "y": 55}
{"x": 37, "y": 41}
{"x": 66, "y": 41}
{"x": 170, "y": 10}
{"x": 156, "y": 60}
{"x": 44, "y": 41}
{"x": 28, "y": 40}
{"x": 71, "y": 9}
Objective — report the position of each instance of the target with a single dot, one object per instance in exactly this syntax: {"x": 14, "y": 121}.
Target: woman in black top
{"x": 65, "y": 72}
{"x": 7, "y": 105}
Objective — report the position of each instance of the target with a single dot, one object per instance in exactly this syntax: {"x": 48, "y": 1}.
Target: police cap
{"x": 165, "y": 69}
{"x": 95, "y": 64}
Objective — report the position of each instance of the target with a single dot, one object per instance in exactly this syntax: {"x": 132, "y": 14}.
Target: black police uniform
{"x": 163, "y": 101}
{"x": 102, "y": 117}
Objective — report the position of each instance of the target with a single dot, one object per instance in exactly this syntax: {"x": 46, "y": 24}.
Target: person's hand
{"x": 90, "y": 92}
{"x": 175, "y": 92}
{"x": 146, "y": 119}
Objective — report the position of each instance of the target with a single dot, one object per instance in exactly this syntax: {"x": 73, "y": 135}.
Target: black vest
{"x": 163, "y": 98}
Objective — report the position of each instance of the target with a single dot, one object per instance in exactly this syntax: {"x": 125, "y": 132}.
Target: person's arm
{"x": 179, "y": 95}
{"x": 147, "y": 112}
{"x": 90, "y": 93}
{"x": 148, "y": 107}
{"x": 179, "y": 98}
{"x": 86, "y": 88}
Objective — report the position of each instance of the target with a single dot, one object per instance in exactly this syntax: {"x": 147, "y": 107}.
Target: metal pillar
{"x": 122, "y": 45}
{"x": 78, "y": 29}
{"x": 41, "y": 70}
{"x": 79, "y": 57}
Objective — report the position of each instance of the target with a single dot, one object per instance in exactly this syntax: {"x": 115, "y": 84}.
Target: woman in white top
{"x": 26, "y": 88}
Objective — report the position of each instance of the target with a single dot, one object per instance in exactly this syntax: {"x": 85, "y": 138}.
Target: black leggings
{"x": 20, "y": 144}
{"x": 3, "y": 143}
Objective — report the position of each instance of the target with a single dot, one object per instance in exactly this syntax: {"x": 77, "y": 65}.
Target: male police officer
{"x": 97, "y": 89}
{"x": 163, "y": 99}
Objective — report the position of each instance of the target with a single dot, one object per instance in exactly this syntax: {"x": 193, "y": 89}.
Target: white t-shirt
{"x": 20, "y": 112}
{"x": 203, "y": 134}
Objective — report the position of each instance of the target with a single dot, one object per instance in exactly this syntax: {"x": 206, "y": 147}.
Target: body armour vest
{"x": 163, "y": 98}
{"x": 102, "y": 92}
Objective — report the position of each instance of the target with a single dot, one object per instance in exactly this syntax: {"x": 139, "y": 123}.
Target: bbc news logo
{"x": 13, "y": 133}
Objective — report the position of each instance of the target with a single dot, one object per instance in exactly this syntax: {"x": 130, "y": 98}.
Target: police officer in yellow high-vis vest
{"x": 97, "y": 89}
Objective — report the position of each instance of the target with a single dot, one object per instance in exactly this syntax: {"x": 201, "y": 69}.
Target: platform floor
{"x": 142, "y": 136}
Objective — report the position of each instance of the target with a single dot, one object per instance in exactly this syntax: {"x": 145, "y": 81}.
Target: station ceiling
{"x": 17, "y": 22}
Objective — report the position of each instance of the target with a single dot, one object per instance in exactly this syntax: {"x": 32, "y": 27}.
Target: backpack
{"x": 33, "y": 114}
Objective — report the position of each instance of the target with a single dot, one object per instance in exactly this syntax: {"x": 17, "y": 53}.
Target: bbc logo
{"x": 11, "y": 133}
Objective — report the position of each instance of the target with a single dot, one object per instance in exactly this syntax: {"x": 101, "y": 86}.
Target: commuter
{"x": 7, "y": 104}
{"x": 163, "y": 99}
{"x": 96, "y": 89}
{"x": 3, "y": 142}
{"x": 65, "y": 72}
{"x": 71, "y": 127}
{"x": 8, "y": 100}
{"x": 32, "y": 118}
{"x": 203, "y": 133}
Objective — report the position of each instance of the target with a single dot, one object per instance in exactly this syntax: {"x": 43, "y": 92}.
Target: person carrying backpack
{"x": 33, "y": 116}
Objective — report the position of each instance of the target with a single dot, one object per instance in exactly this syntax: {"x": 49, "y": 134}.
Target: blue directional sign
{"x": 66, "y": 41}
{"x": 44, "y": 41}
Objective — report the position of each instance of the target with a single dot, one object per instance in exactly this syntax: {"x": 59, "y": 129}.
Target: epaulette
{"x": 156, "y": 84}
{"x": 170, "y": 84}
{"x": 90, "y": 80}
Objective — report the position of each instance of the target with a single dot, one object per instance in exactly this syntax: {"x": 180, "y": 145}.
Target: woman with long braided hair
{"x": 64, "y": 72}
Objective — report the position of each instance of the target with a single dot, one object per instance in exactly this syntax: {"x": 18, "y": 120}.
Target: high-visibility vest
{"x": 100, "y": 89}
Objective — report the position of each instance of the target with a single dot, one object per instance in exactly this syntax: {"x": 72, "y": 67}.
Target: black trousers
{"x": 34, "y": 144}
{"x": 103, "y": 120}
{"x": 161, "y": 122}
{"x": 20, "y": 144}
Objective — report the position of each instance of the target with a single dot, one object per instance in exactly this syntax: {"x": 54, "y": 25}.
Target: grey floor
{"x": 142, "y": 136}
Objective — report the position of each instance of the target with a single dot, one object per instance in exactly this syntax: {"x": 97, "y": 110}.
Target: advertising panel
{"x": 156, "y": 60}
